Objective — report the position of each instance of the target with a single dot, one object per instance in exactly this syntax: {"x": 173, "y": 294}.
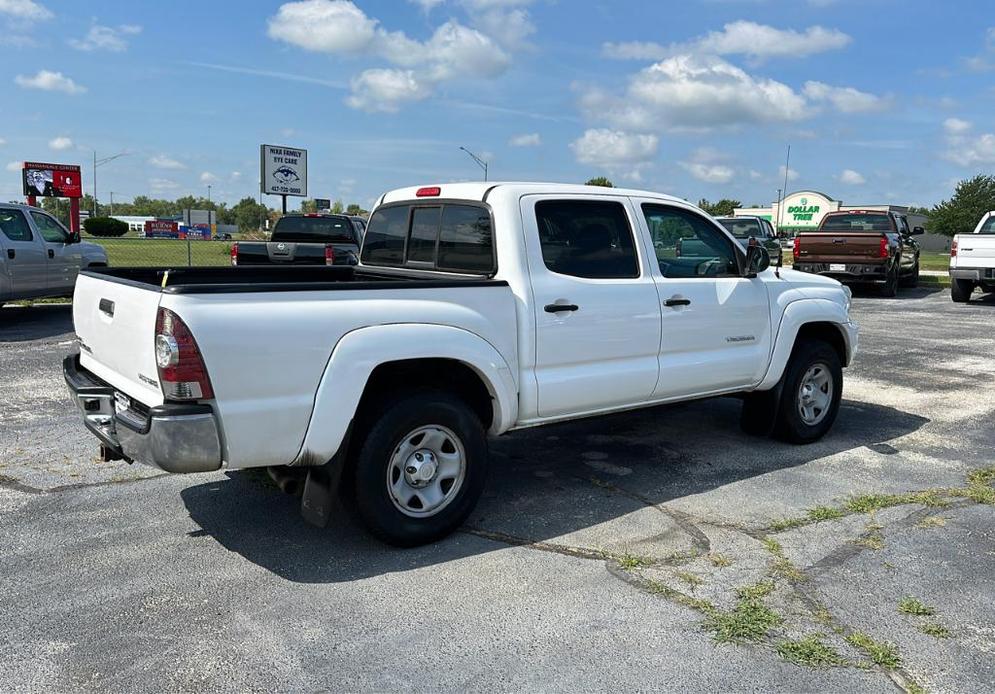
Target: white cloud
{"x": 694, "y": 92}
{"x": 526, "y": 140}
{"x": 2, "y": 142}
{"x": 707, "y": 165}
{"x": 162, "y": 184}
{"x": 503, "y": 20}
{"x": 385, "y": 90}
{"x": 427, "y": 5}
{"x": 792, "y": 174}
{"x": 617, "y": 151}
{"x": 756, "y": 41}
{"x": 161, "y": 161}
{"x": 49, "y": 81}
{"x": 235, "y": 176}
{"x": 60, "y": 143}
{"x": 845, "y": 99}
{"x": 967, "y": 150}
{"x": 852, "y": 178}
{"x": 956, "y": 126}
{"x": 208, "y": 177}
{"x": 104, "y": 38}
{"x": 14, "y": 165}
{"x": 25, "y": 10}
{"x": 454, "y": 51}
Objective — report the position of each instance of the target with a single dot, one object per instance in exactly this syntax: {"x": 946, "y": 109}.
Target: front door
{"x": 63, "y": 258}
{"x": 24, "y": 256}
{"x": 716, "y": 323}
{"x": 597, "y": 316}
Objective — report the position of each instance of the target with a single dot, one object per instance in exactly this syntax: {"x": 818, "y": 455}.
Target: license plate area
{"x": 837, "y": 267}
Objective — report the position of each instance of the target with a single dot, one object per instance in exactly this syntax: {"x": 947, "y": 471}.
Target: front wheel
{"x": 421, "y": 468}
{"x": 960, "y": 290}
{"x": 810, "y": 393}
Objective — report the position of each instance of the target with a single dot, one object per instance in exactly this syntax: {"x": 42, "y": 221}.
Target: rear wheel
{"x": 890, "y": 287}
{"x": 912, "y": 280}
{"x": 960, "y": 290}
{"x": 421, "y": 468}
{"x": 810, "y": 393}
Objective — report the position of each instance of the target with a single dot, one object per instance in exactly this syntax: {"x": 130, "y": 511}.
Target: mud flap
{"x": 760, "y": 411}
{"x": 320, "y": 492}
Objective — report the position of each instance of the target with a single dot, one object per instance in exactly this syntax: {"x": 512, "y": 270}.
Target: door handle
{"x": 677, "y": 302}
{"x": 51, "y": 253}
{"x": 11, "y": 253}
{"x": 556, "y": 308}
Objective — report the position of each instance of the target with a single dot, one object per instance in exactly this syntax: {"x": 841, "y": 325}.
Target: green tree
{"x": 960, "y": 214}
{"x": 602, "y": 181}
{"x": 356, "y": 211}
{"x": 249, "y": 214}
{"x": 308, "y": 206}
{"x": 337, "y": 207}
{"x": 722, "y": 208}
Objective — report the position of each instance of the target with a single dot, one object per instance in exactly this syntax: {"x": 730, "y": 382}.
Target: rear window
{"x": 321, "y": 229}
{"x": 453, "y": 237}
{"x": 988, "y": 227}
{"x": 743, "y": 228}
{"x": 857, "y": 223}
{"x": 14, "y": 226}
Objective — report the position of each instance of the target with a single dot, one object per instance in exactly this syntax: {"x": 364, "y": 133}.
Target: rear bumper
{"x": 854, "y": 272}
{"x": 171, "y": 437}
{"x": 977, "y": 274}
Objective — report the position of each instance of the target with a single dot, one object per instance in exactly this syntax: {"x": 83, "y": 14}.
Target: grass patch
{"x": 914, "y": 606}
{"x": 822, "y": 513}
{"x": 691, "y": 579}
{"x": 787, "y": 524}
{"x": 934, "y": 629}
{"x": 719, "y": 560}
{"x": 782, "y": 566}
{"x": 772, "y": 545}
{"x": 872, "y": 540}
{"x": 756, "y": 591}
{"x": 883, "y": 654}
{"x": 934, "y": 260}
{"x": 629, "y": 562}
{"x": 662, "y": 589}
{"x": 932, "y": 522}
{"x": 138, "y": 252}
{"x": 810, "y": 651}
{"x": 868, "y": 503}
{"x": 749, "y": 620}
{"x": 981, "y": 477}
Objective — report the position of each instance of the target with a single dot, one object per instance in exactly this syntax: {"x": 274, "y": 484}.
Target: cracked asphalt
{"x": 602, "y": 556}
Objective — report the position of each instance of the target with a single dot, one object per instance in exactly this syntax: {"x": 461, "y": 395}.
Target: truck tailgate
{"x": 843, "y": 247}
{"x": 115, "y": 324}
{"x": 976, "y": 250}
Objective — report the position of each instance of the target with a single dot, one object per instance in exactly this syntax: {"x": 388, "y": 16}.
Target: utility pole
{"x": 787, "y": 170}
{"x": 96, "y": 163}
{"x": 112, "y": 203}
{"x": 480, "y": 162}
{"x": 208, "y": 194}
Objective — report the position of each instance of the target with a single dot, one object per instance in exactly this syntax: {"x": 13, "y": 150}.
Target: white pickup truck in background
{"x": 972, "y": 260}
{"x": 476, "y": 309}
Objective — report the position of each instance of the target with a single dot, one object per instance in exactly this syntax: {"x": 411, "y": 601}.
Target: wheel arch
{"x": 812, "y": 319}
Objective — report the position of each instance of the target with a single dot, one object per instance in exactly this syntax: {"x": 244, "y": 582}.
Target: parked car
{"x": 359, "y": 224}
{"x": 303, "y": 239}
{"x": 38, "y": 256}
{"x": 746, "y": 228}
{"x": 477, "y": 309}
{"x": 862, "y": 247}
{"x": 972, "y": 260}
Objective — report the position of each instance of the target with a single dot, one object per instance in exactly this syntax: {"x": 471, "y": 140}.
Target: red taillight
{"x": 431, "y": 192}
{"x": 953, "y": 249}
{"x": 796, "y": 248}
{"x": 329, "y": 255}
{"x": 883, "y": 248}
{"x": 182, "y": 374}
{"x": 234, "y": 254}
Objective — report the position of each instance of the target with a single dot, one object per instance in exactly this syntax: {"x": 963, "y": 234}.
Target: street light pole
{"x": 96, "y": 163}
{"x": 480, "y": 162}
{"x": 112, "y": 203}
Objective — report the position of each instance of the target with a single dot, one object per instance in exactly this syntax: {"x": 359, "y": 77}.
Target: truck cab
{"x": 972, "y": 260}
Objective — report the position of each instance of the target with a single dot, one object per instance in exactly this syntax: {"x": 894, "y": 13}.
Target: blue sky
{"x": 881, "y": 100}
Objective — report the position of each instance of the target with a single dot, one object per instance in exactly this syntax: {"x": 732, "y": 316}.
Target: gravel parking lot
{"x": 656, "y": 550}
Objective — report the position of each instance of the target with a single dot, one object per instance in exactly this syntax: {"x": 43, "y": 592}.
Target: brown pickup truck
{"x": 862, "y": 247}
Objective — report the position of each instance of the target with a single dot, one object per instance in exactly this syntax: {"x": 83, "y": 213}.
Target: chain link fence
{"x": 152, "y": 252}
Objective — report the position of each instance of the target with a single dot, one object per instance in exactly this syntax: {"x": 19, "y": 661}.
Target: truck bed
{"x": 840, "y": 247}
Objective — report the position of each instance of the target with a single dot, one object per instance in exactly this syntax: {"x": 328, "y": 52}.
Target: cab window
{"x": 14, "y": 226}
{"x": 586, "y": 238}
{"x": 688, "y": 245}
{"x": 49, "y": 229}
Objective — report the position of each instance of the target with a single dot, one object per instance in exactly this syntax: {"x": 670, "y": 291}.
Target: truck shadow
{"x": 544, "y": 483}
{"x": 24, "y": 323}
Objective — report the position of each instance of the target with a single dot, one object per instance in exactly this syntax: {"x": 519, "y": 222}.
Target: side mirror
{"x": 73, "y": 237}
{"x": 757, "y": 260}
{"x": 918, "y": 231}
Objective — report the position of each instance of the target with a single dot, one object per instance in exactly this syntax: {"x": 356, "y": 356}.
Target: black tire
{"x": 397, "y": 419}
{"x": 890, "y": 287}
{"x": 912, "y": 279}
{"x": 808, "y": 354}
{"x": 961, "y": 290}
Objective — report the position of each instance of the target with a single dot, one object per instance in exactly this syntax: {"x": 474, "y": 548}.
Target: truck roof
{"x": 480, "y": 191}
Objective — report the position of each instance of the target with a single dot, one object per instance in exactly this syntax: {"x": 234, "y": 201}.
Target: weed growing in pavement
{"x": 787, "y": 524}
{"x": 822, "y": 513}
{"x": 691, "y": 579}
{"x": 914, "y": 606}
{"x": 932, "y": 522}
{"x": 810, "y": 651}
{"x": 629, "y": 562}
{"x": 756, "y": 591}
{"x": 749, "y": 620}
{"x": 883, "y": 654}
{"x": 719, "y": 560}
{"x": 934, "y": 629}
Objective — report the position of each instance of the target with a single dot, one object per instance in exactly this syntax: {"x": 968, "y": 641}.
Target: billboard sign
{"x": 52, "y": 180}
{"x": 159, "y": 228}
{"x": 283, "y": 170}
{"x": 322, "y": 204}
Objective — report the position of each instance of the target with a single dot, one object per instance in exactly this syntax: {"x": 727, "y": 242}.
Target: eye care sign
{"x": 283, "y": 170}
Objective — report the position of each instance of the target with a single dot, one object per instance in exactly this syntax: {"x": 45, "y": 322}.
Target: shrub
{"x": 105, "y": 226}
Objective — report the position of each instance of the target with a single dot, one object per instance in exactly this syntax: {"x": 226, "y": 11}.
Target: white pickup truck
{"x": 476, "y": 309}
{"x": 972, "y": 260}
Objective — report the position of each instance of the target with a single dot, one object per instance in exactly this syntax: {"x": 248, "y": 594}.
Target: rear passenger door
{"x": 596, "y": 310}
{"x": 62, "y": 257}
{"x": 716, "y": 323}
{"x": 24, "y": 258}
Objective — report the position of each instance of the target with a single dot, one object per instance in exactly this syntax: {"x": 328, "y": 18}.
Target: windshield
{"x": 743, "y": 228}
{"x": 857, "y": 222}
{"x": 988, "y": 227}
{"x": 320, "y": 229}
